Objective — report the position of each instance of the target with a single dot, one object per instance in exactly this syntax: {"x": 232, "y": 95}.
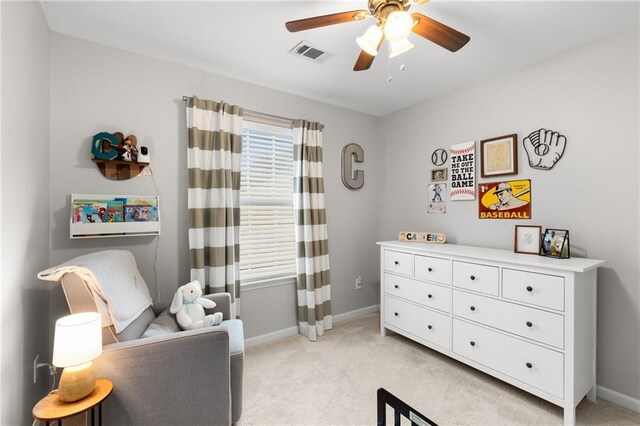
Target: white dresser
{"x": 525, "y": 319}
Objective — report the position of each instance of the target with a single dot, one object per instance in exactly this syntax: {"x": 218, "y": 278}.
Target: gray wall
{"x": 589, "y": 94}
{"x": 24, "y": 166}
{"x": 96, "y": 88}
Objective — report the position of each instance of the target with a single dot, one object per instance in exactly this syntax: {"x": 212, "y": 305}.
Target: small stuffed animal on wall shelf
{"x": 188, "y": 305}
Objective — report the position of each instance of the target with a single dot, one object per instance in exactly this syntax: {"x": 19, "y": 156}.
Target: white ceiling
{"x": 248, "y": 41}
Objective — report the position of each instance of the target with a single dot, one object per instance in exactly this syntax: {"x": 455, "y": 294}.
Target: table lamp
{"x": 77, "y": 341}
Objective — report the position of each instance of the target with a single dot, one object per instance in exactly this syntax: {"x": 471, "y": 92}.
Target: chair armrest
{"x": 223, "y": 304}
{"x": 169, "y": 379}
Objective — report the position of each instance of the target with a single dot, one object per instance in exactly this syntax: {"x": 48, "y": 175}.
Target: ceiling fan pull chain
{"x": 402, "y": 66}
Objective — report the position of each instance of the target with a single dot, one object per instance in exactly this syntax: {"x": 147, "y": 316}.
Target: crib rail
{"x": 400, "y": 408}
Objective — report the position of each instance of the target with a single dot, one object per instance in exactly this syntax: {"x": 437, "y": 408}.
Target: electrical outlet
{"x": 358, "y": 282}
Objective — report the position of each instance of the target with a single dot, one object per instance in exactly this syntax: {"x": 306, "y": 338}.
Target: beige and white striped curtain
{"x": 313, "y": 280}
{"x": 213, "y": 161}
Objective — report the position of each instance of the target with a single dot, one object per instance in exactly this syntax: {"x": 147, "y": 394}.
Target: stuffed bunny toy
{"x": 188, "y": 305}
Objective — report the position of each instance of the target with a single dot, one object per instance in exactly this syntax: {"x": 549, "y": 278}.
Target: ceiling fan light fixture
{"x": 370, "y": 40}
{"x": 399, "y": 47}
{"x": 398, "y": 26}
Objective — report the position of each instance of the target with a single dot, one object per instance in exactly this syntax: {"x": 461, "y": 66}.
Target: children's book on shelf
{"x": 89, "y": 211}
{"x": 140, "y": 213}
{"x": 115, "y": 210}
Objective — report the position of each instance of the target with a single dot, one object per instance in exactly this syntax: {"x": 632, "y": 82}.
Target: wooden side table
{"x": 50, "y": 408}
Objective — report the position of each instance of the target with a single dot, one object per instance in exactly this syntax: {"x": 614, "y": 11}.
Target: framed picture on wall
{"x": 527, "y": 239}
{"x": 439, "y": 175}
{"x": 555, "y": 243}
{"x": 499, "y": 156}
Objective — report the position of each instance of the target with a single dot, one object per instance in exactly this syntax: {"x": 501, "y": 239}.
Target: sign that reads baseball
{"x": 463, "y": 171}
{"x": 505, "y": 200}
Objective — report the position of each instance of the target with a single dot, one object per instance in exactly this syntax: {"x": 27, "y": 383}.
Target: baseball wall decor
{"x": 505, "y": 200}
{"x": 544, "y": 148}
{"x": 499, "y": 156}
{"x": 352, "y": 179}
{"x": 436, "y": 198}
{"x": 463, "y": 171}
{"x": 439, "y": 157}
{"x": 439, "y": 175}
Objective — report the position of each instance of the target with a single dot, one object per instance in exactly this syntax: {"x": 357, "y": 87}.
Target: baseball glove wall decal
{"x": 544, "y": 148}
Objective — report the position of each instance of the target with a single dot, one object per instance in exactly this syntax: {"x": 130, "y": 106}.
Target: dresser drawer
{"x": 482, "y": 278}
{"x": 535, "y": 289}
{"x": 545, "y": 327}
{"x": 534, "y": 365}
{"x": 421, "y": 322}
{"x": 433, "y": 269}
{"x": 400, "y": 263}
{"x": 427, "y": 294}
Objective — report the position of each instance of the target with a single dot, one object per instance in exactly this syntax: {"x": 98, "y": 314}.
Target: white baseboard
{"x": 292, "y": 331}
{"x": 357, "y": 313}
{"x": 624, "y": 401}
{"x": 271, "y": 337}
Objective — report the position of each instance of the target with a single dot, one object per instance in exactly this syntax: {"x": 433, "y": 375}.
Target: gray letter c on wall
{"x": 352, "y": 179}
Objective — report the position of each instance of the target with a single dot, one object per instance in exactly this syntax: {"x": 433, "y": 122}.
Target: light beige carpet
{"x": 334, "y": 381}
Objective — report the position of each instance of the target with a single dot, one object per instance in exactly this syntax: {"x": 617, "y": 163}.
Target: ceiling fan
{"x": 394, "y": 23}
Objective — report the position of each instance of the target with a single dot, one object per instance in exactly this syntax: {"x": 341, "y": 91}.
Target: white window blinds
{"x": 267, "y": 233}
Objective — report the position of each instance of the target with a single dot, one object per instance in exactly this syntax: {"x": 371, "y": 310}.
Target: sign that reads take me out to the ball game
{"x": 505, "y": 200}
{"x": 463, "y": 171}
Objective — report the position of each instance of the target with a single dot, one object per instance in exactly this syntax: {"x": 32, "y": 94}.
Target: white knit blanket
{"x": 117, "y": 287}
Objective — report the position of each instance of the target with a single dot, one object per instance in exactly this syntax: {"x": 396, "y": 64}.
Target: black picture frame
{"x": 555, "y": 243}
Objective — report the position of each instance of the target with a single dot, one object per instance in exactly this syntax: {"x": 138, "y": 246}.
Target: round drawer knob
{"x": 430, "y": 269}
{"x": 429, "y": 296}
{"x": 472, "y": 343}
{"x": 529, "y": 288}
{"x": 429, "y": 327}
{"x": 529, "y": 324}
{"x": 395, "y": 313}
{"x": 396, "y": 286}
{"x": 396, "y": 262}
{"x": 529, "y": 365}
{"x": 472, "y": 277}
{"x": 473, "y": 308}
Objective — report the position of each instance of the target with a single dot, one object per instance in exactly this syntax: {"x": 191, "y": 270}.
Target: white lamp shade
{"x": 370, "y": 40}
{"x": 77, "y": 339}
{"x": 398, "y": 47}
{"x": 398, "y": 26}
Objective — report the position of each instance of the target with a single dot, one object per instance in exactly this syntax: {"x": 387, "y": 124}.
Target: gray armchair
{"x": 164, "y": 376}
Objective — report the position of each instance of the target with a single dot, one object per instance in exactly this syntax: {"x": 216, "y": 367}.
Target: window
{"x": 267, "y": 233}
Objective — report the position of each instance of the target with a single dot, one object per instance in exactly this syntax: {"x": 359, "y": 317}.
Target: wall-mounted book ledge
{"x": 101, "y": 215}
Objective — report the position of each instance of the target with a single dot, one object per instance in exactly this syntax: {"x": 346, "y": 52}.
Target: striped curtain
{"x": 313, "y": 280}
{"x": 213, "y": 161}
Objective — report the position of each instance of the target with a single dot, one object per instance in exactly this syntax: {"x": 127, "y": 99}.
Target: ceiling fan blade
{"x": 439, "y": 33}
{"x": 365, "y": 60}
{"x": 324, "y": 20}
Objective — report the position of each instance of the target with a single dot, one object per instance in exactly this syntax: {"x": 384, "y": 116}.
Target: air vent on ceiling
{"x": 309, "y": 51}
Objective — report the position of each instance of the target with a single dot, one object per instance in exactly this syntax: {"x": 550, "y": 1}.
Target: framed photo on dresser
{"x": 527, "y": 239}
{"x": 555, "y": 243}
